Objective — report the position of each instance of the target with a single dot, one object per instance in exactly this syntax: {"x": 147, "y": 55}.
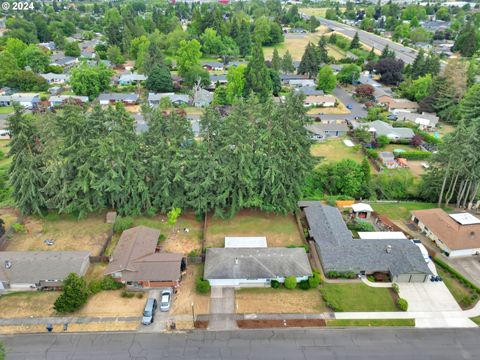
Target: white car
{"x": 166, "y": 300}
{"x": 423, "y": 250}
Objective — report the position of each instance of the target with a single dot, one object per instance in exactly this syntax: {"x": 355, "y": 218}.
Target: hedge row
{"x": 456, "y": 275}
{"x": 415, "y": 155}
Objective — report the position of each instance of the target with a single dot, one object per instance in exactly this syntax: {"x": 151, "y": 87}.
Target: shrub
{"x": 372, "y": 154}
{"x": 290, "y": 282}
{"x": 202, "y": 286}
{"x": 140, "y": 295}
{"x": 314, "y": 280}
{"x": 122, "y": 223}
{"x": 361, "y": 225}
{"x": 455, "y": 274}
{"x": 341, "y": 275}
{"x": 395, "y": 288}
{"x": 371, "y": 278}
{"x": 275, "y": 284}
{"x": 109, "y": 283}
{"x": 402, "y": 304}
{"x": 74, "y": 295}
{"x": 194, "y": 253}
{"x": 299, "y": 246}
{"x": 304, "y": 285}
{"x": 95, "y": 286}
{"x": 127, "y": 294}
{"x": 19, "y": 228}
{"x": 382, "y": 141}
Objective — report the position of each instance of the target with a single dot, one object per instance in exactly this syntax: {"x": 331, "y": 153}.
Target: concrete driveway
{"x": 468, "y": 266}
{"x": 431, "y": 297}
{"x": 222, "y": 308}
{"x": 162, "y": 319}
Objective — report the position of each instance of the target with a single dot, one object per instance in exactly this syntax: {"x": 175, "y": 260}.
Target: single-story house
{"x": 336, "y": 68}
{"x": 130, "y": 79}
{"x": 88, "y": 53}
{"x": 322, "y": 131}
{"x": 397, "y": 104}
{"x": 309, "y": 90}
{"x": 455, "y": 234}
{"x": 112, "y": 98}
{"x": 255, "y": 267}
{"x": 381, "y": 128}
{"x": 136, "y": 262}
{"x": 66, "y": 61}
{"x": 27, "y": 100}
{"x": 236, "y": 63}
{"x": 383, "y": 235}
{"x": 213, "y": 65}
{"x": 220, "y": 79}
{"x": 60, "y": 99}
{"x": 50, "y": 46}
{"x": 361, "y": 210}
{"x": 388, "y": 159}
{"x": 319, "y": 101}
{"x": 56, "y": 78}
{"x": 424, "y": 120}
{"x": 286, "y": 78}
{"x": 339, "y": 252}
{"x": 202, "y": 98}
{"x": 301, "y": 82}
{"x": 32, "y": 270}
{"x": 176, "y": 99}
{"x": 245, "y": 242}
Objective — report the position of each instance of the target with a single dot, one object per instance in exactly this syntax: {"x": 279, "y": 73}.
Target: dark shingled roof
{"x": 340, "y": 252}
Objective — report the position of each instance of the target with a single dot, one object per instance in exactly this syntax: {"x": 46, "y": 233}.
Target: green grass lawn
{"x": 335, "y": 150}
{"x": 400, "y": 210}
{"x": 374, "y": 322}
{"x": 459, "y": 291}
{"x": 357, "y": 297}
{"x": 476, "y": 320}
{"x": 6, "y": 109}
{"x": 391, "y": 147}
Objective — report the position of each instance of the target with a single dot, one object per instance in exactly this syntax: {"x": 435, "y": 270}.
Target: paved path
{"x": 222, "y": 308}
{"x": 291, "y": 344}
{"x": 375, "y": 284}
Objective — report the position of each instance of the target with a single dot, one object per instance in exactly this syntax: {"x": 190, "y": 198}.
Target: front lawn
{"x": 400, "y": 210}
{"x": 333, "y": 150}
{"x": 461, "y": 293}
{"x": 476, "y": 320}
{"x": 374, "y": 322}
{"x": 6, "y": 109}
{"x": 268, "y": 301}
{"x": 279, "y": 230}
{"x": 357, "y": 297}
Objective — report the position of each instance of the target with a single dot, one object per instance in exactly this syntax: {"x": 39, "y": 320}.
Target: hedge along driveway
{"x": 357, "y": 298}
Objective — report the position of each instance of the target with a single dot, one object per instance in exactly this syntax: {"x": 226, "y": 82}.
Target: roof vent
{"x": 8, "y": 264}
{"x": 236, "y": 261}
{"x": 388, "y": 249}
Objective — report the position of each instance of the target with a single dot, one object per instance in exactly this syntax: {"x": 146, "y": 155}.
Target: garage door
{"x": 403, "y": 278}
{"x": 417, "y": 278}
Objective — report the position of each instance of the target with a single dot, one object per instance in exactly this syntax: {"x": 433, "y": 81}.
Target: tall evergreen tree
{"x": 310, "y": 62}
{"x": 287, "y": 63}
{"x": 276, "y": 61}
{"x": 25, "y": 170}
{"x": 159, "y": 79}
{"x": 323, "y": 57}
{"x": 468, "y": 40}
{"x": 418, "y": 66}
{"x": 244, "y": 40}
{"x": 387, "y": 53}
{"x": 257, "y": 77}
{"x": 355, "y": 43}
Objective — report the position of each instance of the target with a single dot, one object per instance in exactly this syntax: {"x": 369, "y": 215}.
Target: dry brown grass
{"x": 95, "y": 271}
{"x": 69, "y": 234}
{"x": 335, "y": 52}
{"x": 316, "y": 11}
{"x": 9, "y": 216}
{"x": 416, "y": 168}
{"x": 279, "y": 230}
{"x": 340, "y": 109}
{"x": 58, "y": 328}
{"x": 186, "y": 294}
{"x": 26, "y": 304}
{"x": 333, "y": 150}
{"x": 111, "y": 304}
{"x": 269, "y": 301}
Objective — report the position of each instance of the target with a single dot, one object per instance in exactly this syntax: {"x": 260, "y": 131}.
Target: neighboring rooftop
{"x": 245, "y": 242}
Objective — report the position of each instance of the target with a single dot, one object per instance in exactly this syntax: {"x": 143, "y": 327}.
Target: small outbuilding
{"x": 362, "y": 210}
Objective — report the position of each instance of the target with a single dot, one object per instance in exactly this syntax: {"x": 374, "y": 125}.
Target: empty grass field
{"x": 268, "y": 300}
{"x": 67, "y": 232}
{"x": 279, "y": 230}
{"x": 315, "y": 11}
{"x": 400, "y": 210}
{"x": 335, "y": 150}
{"x": 357, "y": 297}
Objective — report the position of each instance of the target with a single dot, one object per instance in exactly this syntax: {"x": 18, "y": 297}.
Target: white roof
{"x": 382, "y": 235}
{"x": 465, "y": 218}
{"x": 246, "y": 242}
{"x": 359, "y": 207}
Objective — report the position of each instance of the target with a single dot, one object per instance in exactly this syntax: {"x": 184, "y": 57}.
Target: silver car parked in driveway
{"x": 166, "y": 300}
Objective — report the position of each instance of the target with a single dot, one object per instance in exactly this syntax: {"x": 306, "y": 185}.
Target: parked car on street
{"x": 166, "y": 300}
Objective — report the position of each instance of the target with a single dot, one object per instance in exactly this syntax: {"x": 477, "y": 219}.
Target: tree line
{"x": 79, "y": 162}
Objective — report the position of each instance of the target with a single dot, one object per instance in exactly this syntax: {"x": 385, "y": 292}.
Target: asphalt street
{"x": 325, "y": 344}
{"x": 402, "y": 52}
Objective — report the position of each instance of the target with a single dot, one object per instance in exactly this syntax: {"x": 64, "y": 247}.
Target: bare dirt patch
{"x": 416, "y": 168}
{"x": 186, "y": 294}
{"x": 279, "y": 230}
{"x": 67, "y": 233}
{"x": 9, "y": 216}
{"x": 270, "y": 301}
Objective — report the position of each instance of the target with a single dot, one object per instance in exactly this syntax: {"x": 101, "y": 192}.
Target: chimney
{"x": 388, "y": 249}
{"x": 236, "y": 261}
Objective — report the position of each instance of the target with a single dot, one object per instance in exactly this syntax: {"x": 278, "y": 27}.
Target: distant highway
{"x": 407, "y": 54}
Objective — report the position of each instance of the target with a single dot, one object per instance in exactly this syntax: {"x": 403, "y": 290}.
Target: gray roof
{"x": 30, "y": 267}
{"x": 386, "y": 155}
{"x": 286, "y": 77}
{"x": 64, "y": 61}
{"x": 172, "y": 96}
{"x": 256, "y": 263}
{"x": 309, "y": 90}
{"x": 52, "y": 76}
{"x": 215, "y": 78}
{"x": 320, "y": 128}
{"x": 61, "y": 98}
{"x": 418, "y": 118}
{"x": 213, "y": 64}
{"x": 340, "y": 252}
{"x": 202, "y": 96}
{"x": 118, "y": 97}
{"x": 132, "y": 77}
{"x": 383, "y": 128}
